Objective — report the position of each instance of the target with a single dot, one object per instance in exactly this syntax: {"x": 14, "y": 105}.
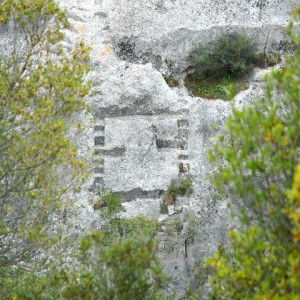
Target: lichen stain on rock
{"x": 106, "y": 50}
{"x": 80, "y": 29}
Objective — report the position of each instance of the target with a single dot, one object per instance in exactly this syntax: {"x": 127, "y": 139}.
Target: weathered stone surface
{"x": 142, "y": 129}
{"x": 147, "y": 207}
{"x": 148, "y": 128}
{"x": 164, "y": 32}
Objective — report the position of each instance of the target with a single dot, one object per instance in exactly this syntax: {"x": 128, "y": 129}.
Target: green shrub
{"x": 178, "y": 187}
{"x": 136, "y": 226}
{"x": 193, "y": 227}
{"x": 111, "y": 201}
{"x": 163, "y": 208}
{"x": 225, "y": 88}
{"x": 185, "y": 187}
{"x": 254, "y": 161}
{"x": 221, "y": 66}
{"x": 127, "y": 269}
{"x": 230, "y": 55}
{"x": 264, "y": 60}
{"x": 171, "y": 81}
{"x": 129, "y": 228}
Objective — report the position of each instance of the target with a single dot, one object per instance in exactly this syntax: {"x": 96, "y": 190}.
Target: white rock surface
{"x": 143, "y": 129}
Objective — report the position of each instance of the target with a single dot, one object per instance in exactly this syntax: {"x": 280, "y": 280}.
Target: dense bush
{"x": 117, "y": 229}
{"x": 230, "y": 55}
{"x": 127, "y": 269}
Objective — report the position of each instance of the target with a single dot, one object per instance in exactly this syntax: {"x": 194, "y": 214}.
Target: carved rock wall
{"x": 143, "y": 132}
{"x": 143, "y": 129}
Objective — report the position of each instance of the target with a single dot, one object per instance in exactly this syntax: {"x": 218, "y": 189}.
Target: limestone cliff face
{"x": 143, "y": 129}
{"x": 144, "y": 133}
{"x": 163, "y": 32}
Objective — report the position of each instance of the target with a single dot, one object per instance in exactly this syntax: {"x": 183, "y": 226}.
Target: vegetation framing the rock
{"x": 132, "y": 228}
{"x": 256, "y": 160}
{"x": 124, "y": 270}
{"x": 41, "y": 89}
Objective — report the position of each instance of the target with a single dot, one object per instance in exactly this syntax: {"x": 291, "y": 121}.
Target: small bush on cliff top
{"x": 221, "y": 66}
{"x": 230, "y": 55}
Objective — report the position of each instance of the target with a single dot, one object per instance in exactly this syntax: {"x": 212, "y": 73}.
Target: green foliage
{"x": 178, "y": 187}
{"x": 225, "y": 88}
{"x": 294, "y": 215}
{"x": 171, "y": 81}
{"x": 230, "y": 55}
{"x": 41, "y": 89}
{"x": 221, "y": 66}
{"x": 135, "y": 271}
{"x": 192, "y": 228}
{"x": 255, "y": 161}
{"x": 185, "y": 187}
{"x": 172, "y": 228}
{"x": 131, "y": 228}
{"x": 111, "y": 201}
{"x": 259, "y": 268}
{"x": 125, "y": 270}
{"x": 118, "y": 263}
{"x": 196, "y": 290}
{"x": 163, "y": 208}
{"x": 264, "y": 60}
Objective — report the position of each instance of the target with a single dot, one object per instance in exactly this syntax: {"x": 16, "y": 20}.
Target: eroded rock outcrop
{"x": 143, "y": 129}
{"x": 144, "y": 133}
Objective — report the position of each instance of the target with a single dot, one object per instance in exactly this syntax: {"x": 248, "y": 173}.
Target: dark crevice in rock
{"x": 139, "y": 193}
{"x": 99, "y": 152}
{"x": 98, "y": 184}
{"x": 183, "y": 157}
{"x": 99, "y": 140}
{"x": 126, "y": 49}
{"x": 99, "y": 170}
{"x": 182, "y": 145}
{"x": 99, "y": 128}
{"x": 132, "y": 110}
{"x": 98, "y": 180}
{"x": 166, "y": 144}
{"x": 118, "y": 151}
{"x": 183, "y": 133}
{"x": 100, "y": 14}
{"x": 183, "y": 123}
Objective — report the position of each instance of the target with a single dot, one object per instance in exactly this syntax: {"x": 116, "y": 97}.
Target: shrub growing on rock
{"x": 231, "y": 54}
{"x": 178, "y": 187}
{"x": 127, "y": 269}
{"x": 256, "y": 160}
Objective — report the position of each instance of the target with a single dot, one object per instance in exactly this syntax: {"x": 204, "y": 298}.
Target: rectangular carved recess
{"x": 99, "y": 128}
{"x": 99, "y": 140}
{"x": 166, "y": 144}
